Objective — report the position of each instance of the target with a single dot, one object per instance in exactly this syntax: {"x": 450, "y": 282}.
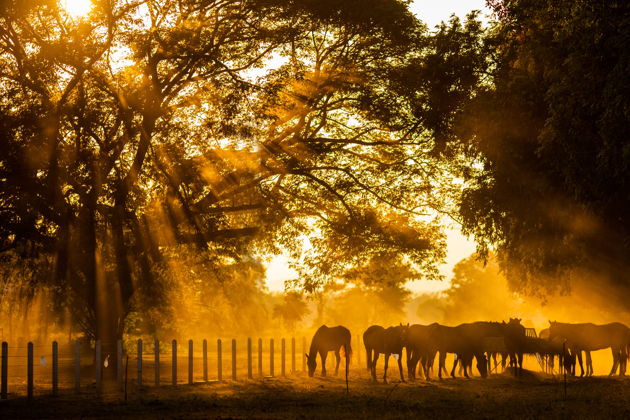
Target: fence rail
{"x": 49, "y": 368}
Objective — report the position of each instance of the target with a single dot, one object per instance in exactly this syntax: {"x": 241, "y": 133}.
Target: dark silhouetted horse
{"x": 420, "y": 349}
{"x": 387, "y": 341}
{"x": 465, "y": 340}
{"x": 588, "y": 336}
{"x": 325, "y": 340}
{"x": 566, "y": 359}
{"x": 515, "y": 342}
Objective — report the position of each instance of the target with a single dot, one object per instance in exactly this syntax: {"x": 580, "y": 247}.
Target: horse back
{"x": 331, "y": 339}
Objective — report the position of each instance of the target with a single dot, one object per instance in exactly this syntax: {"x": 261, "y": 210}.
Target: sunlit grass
{"x": 77, "y": 8}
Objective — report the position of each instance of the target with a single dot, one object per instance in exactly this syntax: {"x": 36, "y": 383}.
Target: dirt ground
{"x": 534, "y": 395}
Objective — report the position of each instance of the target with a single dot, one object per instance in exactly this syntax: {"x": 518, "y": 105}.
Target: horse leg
{"x": 323, "y": 355}
{"x": 579, "y": 358}
{"x": 374, "y": 360}
{"x": 441, "y": 363}
{"x": 386, "y": 356}
{"x": 400, "y": 369}
{"x": 589, "y": 363}
{"x": 338, "y": 358}
{"x": 412, "y": 363}
{"x": 615, "y": 355}
{"x": 368, "y": 357}
{"x": 454, "y": 365}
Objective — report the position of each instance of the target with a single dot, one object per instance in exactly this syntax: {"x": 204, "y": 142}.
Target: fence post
{"x": 140, "y": 362}
{"x": 190, "y": 362}
{"x": 29, "y": 363}
{"x": 249, "y": 358}
{"x": 205, "y": 360}
{"x": 233, "y": 359}
{"x": 156, "y": 352}
{"x": 5, "y": 367}
{"x": 260, "y": 344}
{"x": 293, "y": 355}
{"x": 119, "y": 364}
{"x": 282, "y": 359}
{"x": 77, "y": 366}
{"x": 219, "y": 361}
{"x": 303, "y": 354}
{"x": 55, "y": 369}
{"x": 99, "y": 367}
{"x": 271, "y": 357}
{"x": 174, "y": 362}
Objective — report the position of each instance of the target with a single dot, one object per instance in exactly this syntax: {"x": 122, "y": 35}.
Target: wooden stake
{"x": 55, "y": 369}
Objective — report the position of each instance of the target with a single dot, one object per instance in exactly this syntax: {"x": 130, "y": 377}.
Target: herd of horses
{"x": 481, "y": 342}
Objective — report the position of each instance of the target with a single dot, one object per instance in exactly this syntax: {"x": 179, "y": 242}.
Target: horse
{"x": 588, "y": 336}
{"x": 512, "y": 334}
{"x": 515, "y": 342}
{"x": 463, "y": 340}
{"x": 387, "y": 341}
{"x": 329, "y": 339}
{"x": 567, "y": 360}
{"x": 420, "y": 348}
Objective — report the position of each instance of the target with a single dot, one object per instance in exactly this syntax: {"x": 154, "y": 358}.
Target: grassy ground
{"x": 500, "y": 396}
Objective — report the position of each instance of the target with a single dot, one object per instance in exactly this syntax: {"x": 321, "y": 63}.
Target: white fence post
{"x": 156, "y": 352}
{"x": 55, "y": 369}
{"x": 119, "y": 364}
{"x": 99, "y": 366}
{"x": 174, "y": 358}
{"x": 139, "y": 378}
{"x": 190, "y": 362}
{"x": 77, "y": 366}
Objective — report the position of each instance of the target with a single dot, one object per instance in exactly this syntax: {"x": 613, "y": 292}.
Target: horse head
{"x": 404, "y": 332}
{"x": 554, "y": 330}
{"x": 311, "y": 362}
{"x": 513, "y": 329}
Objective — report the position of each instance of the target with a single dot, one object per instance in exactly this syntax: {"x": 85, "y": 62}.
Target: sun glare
{"x": 77, "y": 8}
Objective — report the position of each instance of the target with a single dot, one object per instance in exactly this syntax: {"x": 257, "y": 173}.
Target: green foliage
{"x": 551, "y": 136}
{"x": 146, "y": 130}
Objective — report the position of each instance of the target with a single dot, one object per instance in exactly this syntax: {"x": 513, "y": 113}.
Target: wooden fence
{"x": 156, "y": 364}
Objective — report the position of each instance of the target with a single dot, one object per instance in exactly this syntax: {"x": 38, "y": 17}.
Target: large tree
{"x": 229, "y": 126}
{"x": 551, "y": 137}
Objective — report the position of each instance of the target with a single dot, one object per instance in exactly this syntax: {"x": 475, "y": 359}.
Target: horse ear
{"x": 407, "y": 324}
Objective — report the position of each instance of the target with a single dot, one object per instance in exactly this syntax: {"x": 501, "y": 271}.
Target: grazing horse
{"x": 515, "y": 342}
{"x": 420, "y": 348}
{"x": 463, "y": 340}
{"x": 566, "y": 360}
{"x": 387, "y": 341}
{"x": 329, "y": 339}
{"x": 588, "y": 336}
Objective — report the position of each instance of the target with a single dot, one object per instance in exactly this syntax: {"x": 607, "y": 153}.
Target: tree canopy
{"x": 228, "y": 127}
{"x": 550, "y": 137}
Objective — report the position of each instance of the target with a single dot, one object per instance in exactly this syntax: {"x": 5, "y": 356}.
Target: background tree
{"x": 550, "y": 135}
{"x": 149, "y": 130}
{"x": 291, "y": 310}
